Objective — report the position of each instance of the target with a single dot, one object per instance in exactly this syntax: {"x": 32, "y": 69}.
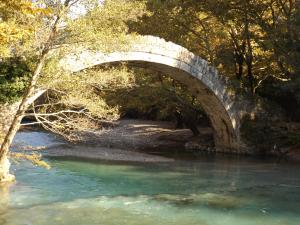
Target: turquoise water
{"x": 207, "y": 191}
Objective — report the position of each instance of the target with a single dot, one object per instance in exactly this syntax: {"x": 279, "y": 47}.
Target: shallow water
{"x": 207, "y": 191}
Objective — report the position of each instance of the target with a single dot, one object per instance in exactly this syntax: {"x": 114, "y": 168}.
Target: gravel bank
{"x": 128, "y": 140}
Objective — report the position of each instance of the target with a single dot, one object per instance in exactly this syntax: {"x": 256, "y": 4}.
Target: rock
{"x": 176, "y": 199}
{"x": 4, "y": 172}
{"x": 213, "y": 200}
{"x": 192, "y": 145}
{"x": 218, "y": 200}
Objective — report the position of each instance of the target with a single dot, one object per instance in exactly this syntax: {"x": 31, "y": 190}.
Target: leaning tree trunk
{"x": 4, "y": 163}
{"x": 4, "y": 149}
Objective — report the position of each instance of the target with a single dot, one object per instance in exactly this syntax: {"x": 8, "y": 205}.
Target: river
{"x": 204, "y": 191}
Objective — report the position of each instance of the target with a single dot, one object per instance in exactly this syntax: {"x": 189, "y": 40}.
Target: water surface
{"x": 206, "y": 191}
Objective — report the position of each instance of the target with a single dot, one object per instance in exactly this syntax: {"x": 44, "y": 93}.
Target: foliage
{"x": 74, "y": 103}
{"x": 154, "y": 96}
{"x": 248, "y": 40}
{"x": 104, "y": 26}
{"x": 34, "y": 158}
{"x": 105, "y": 94}
{"x": 14, "y": 75}
{"x": 267, "y": 137}
{"x": 25, "y": 27}
{"x": 83, "y": 89}
{"x": 284, "y": 93}
{"x": 17, "y": 25}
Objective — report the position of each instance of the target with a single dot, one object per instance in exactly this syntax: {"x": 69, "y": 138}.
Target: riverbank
{"x": 127, "y": 140}
{"x": 130, "y": 140}
{"x": 148, "y": 136}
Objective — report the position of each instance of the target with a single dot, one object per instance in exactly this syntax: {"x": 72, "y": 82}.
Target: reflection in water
{"x": 4, "y": 201}
{"x": 202, "y": 192}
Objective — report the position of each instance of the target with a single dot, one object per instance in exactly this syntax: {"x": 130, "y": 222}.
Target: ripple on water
{"x": 142, "y": 210}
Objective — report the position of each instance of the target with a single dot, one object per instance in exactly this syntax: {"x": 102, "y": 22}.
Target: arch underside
{"x": 224, "y": 133}
{"x": 210, "y": 92}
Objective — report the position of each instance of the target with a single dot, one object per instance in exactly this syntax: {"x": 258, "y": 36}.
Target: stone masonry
{"x": 212, "y": 90}
{"x": 203, "y": 80}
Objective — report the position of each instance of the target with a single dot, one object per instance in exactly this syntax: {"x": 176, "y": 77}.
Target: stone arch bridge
{"x": 203, "y": 81}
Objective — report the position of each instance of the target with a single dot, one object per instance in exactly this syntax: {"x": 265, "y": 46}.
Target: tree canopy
{"x": 247, "y": 40}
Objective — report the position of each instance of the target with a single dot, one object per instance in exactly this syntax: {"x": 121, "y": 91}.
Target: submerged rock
{"x": 199, "y": 147}
{"x": 210, "y": 199}
{"x": 176, "y": 199}
{"x": 218, "y": 200}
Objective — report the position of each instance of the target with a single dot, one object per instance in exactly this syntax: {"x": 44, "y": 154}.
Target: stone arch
{"x": 210, "y": 88}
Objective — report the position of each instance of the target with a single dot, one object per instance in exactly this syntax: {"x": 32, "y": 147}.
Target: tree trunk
{"x": 4, "y": 149}
{"x": 239, "y": 58}
{"x": 4, "y": 164}
{"x": 4, "y": 170}
{"x": 249, "y": 56}
{"x": 239, "y": 52}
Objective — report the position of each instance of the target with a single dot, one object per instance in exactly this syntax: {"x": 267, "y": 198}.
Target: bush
{"x": 14, "y": 76}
